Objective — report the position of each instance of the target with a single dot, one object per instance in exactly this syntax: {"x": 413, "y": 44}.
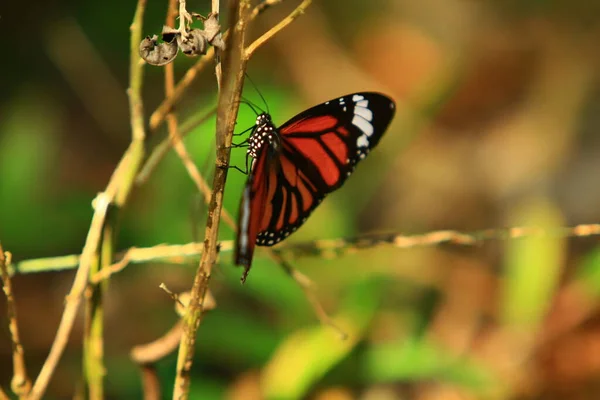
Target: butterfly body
{"x": 296, "y": 165}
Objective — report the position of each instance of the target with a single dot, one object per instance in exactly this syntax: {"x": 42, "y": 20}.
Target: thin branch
{"x": 117, "y": 190}
{"x": 277, "y": 28}
{"x": 233, "y": 78}
{"x": 3, "y": 395}
{"x": 182, "y": 253}
{"x": 20, "y": 383}
{"x": 189, "y": 165}
{"x": 93, "y": 335}
{"x": 215, "y": 9}
{"x": 145, "y": 355}
{"x": 159, "y": 115}
{"x": 73, "y": 299}
{"x": 160, "y": 150}
{"x": 136, "y": 74}
{"x": 172, "y": 124}
{"x": 150, "y": 382}
{"x": 307, "y": 287}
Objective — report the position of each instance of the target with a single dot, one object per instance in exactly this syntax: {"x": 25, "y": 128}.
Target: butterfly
{"x": 296, "y": 165}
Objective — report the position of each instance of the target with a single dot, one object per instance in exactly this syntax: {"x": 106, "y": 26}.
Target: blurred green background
{"x": 497, "y": 126}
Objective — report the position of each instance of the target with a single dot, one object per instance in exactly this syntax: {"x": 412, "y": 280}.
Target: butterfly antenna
{"x": 259, "y": 93}
{"x": 250, "y": 104}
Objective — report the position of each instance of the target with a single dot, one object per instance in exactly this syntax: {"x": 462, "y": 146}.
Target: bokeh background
{"x": 497, "y": 126}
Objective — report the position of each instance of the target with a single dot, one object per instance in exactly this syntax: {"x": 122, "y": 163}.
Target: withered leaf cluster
{"x": 193, "y": 42}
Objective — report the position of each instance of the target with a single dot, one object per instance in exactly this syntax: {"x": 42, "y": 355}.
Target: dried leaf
{"x": 195, "y": 44}
{"x": 158, "y": 54}
{"x": 212, "y": 30}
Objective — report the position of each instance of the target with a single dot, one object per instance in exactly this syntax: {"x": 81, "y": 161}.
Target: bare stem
{"x": 150, "y": 382}
{"x": 160, "y": 150}
{"x": 117, "y": 191}
{"x": 233, "y": 78}
{"x": 181, "y": 253}
{"x": 216, "y": 10}
{"x": 73, "y": 300}
{"x": 20, "y": 384}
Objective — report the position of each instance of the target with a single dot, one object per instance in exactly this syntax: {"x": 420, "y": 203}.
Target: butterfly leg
{"x": 244, "y": 131}
{"x": 236, "y": 145}
{"x": 245, "y": 172}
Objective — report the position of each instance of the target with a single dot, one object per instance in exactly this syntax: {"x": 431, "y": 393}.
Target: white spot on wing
{"x": 362, "y": 103}
{"x": 362, "y": 141}
{"x": 364, "y": 112}
{"x": 362, "y": 124}
{"x": 357, "y": 97}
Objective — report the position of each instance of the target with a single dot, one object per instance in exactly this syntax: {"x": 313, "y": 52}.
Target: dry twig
{"x": 117, "y": 191}
{"x": 73, "y": 300}
{"x": 182, "y": 253}
{"x": 20, "y": 383}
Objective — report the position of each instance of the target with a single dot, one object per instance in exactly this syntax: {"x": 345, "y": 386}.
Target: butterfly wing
{"x": 255, "y": 197}
{"x": 320, "y": 148}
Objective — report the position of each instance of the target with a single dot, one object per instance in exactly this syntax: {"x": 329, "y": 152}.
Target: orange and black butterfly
{"x": 296, "y": 165}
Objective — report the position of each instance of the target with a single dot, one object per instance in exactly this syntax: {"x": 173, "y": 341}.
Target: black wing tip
{"x": 375, "y": 94}
{"x": 381, "y": 96}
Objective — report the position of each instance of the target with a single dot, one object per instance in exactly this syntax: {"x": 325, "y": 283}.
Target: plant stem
{"x": 20, "y": 383}
{"x": 234, "y": 65}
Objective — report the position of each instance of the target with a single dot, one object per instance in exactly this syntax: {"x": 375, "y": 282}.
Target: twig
{"x": 136, "y": 74}
{"x": 147, "y": 354}
{"x": 189, "y": 165}
{"x": 277, "y": 28}
{"x": 181, "y": 253}
{"x": 3, "y": 395}
{"x": 73, "y": 299}
{"x": 117, "y": 190}
{"x": 159, "y": 115}
{"x": 161, "y": 149}
{"x": 122, "y": 182}
{"x": 150, "y": 382}
{"x": 172, "y": 124}
{"x": 233, "y": 78}
{"x": 93, "y": 340}
{"x": 215, "y": 9}
{"x": 307, "y": 287}
{"x": 174, "y": 296}
{"x": 166, "y": 344}
{"x": 20, "y": 383}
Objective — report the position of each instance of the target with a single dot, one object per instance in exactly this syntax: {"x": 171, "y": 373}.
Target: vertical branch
{"x": 136, "y": 75}
{"x": 94, "y": 325}
{"x": 233, "y": 78}
{"x": 117, "y": 192}
{"x": 93, "y": 338}
{"x": 20, "y": 383}
{"x": 88, "y": 254}
{"x": 173, "y": 126}
{"x": 215, "y": 8}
